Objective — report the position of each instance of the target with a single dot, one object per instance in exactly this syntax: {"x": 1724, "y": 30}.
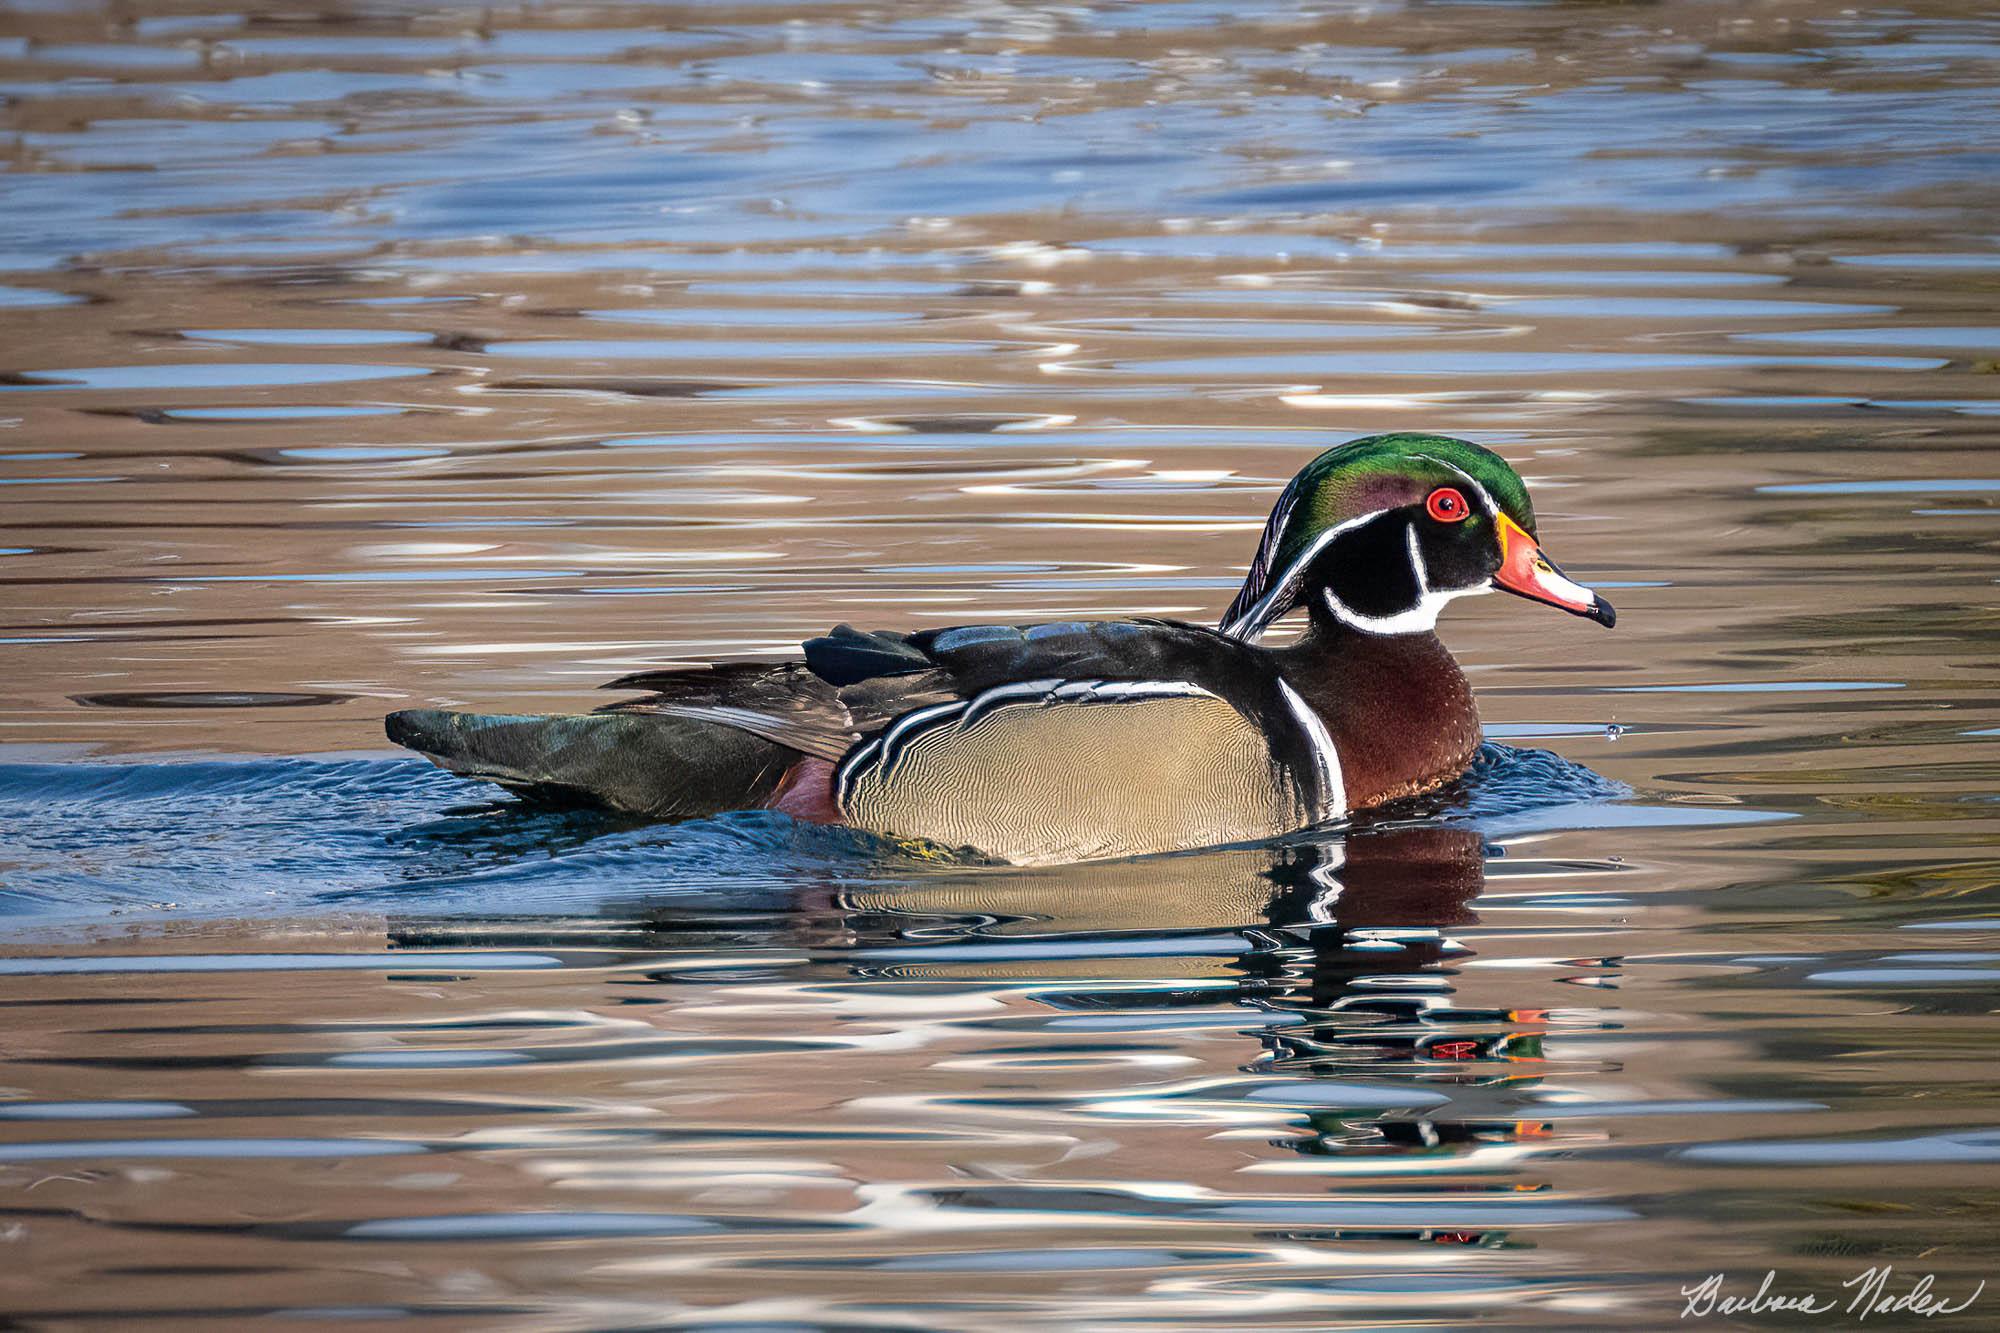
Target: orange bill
{"x": 1526, "y": 572}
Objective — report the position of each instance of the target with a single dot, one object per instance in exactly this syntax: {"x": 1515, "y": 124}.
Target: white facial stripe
{"x": 1252, "y": 622}
{"x": 1417, "y": 566}
{"x": 1326, "y": 759}
{"x": 1485, "y": 500}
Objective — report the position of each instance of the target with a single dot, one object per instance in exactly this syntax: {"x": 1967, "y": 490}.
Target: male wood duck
{"x": 1083, "y": 740}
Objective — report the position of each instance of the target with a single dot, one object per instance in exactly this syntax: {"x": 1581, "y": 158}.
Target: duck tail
{"x": 660, "y": 766}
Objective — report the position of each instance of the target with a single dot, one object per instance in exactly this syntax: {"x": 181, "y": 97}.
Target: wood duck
{"x": 1079, "y": 740}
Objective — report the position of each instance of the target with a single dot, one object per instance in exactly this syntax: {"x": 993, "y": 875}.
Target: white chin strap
{"x": 1419, "y": 619}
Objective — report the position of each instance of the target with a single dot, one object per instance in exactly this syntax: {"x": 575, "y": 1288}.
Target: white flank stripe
{"x": 883, "y": 752}
{"x": 850, "y": 769}
{"x": 1151, "y": 689}
{"x": 1325, "y": 758}
{"x": 892, "y": 743}
{"x": 1024, "y": 691}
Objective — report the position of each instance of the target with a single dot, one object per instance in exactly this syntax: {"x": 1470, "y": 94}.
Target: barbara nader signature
{"x": 1868, "y": 1293}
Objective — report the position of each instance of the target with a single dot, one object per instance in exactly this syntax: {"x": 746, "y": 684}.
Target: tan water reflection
{"x": 407, "y": 355}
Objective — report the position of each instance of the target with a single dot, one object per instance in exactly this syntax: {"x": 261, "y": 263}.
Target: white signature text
{"x": 1868, "y": 1293}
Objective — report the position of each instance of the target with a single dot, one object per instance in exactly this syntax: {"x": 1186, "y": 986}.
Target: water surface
{"x": 412, "y": 354}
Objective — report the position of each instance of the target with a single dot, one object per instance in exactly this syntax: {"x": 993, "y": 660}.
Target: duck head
{"x": 1379, "y": 533}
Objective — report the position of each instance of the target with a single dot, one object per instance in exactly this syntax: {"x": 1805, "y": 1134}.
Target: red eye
{"x": 1446, "y": 505}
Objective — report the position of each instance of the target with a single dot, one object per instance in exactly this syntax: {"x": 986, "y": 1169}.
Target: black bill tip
{"x": 1602, "y": 612}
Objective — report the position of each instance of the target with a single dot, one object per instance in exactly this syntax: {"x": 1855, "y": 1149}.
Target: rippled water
{"x": 365, "y": 356}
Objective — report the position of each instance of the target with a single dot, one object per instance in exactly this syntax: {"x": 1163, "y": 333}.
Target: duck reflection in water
{"x": 1339, "y": 946}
